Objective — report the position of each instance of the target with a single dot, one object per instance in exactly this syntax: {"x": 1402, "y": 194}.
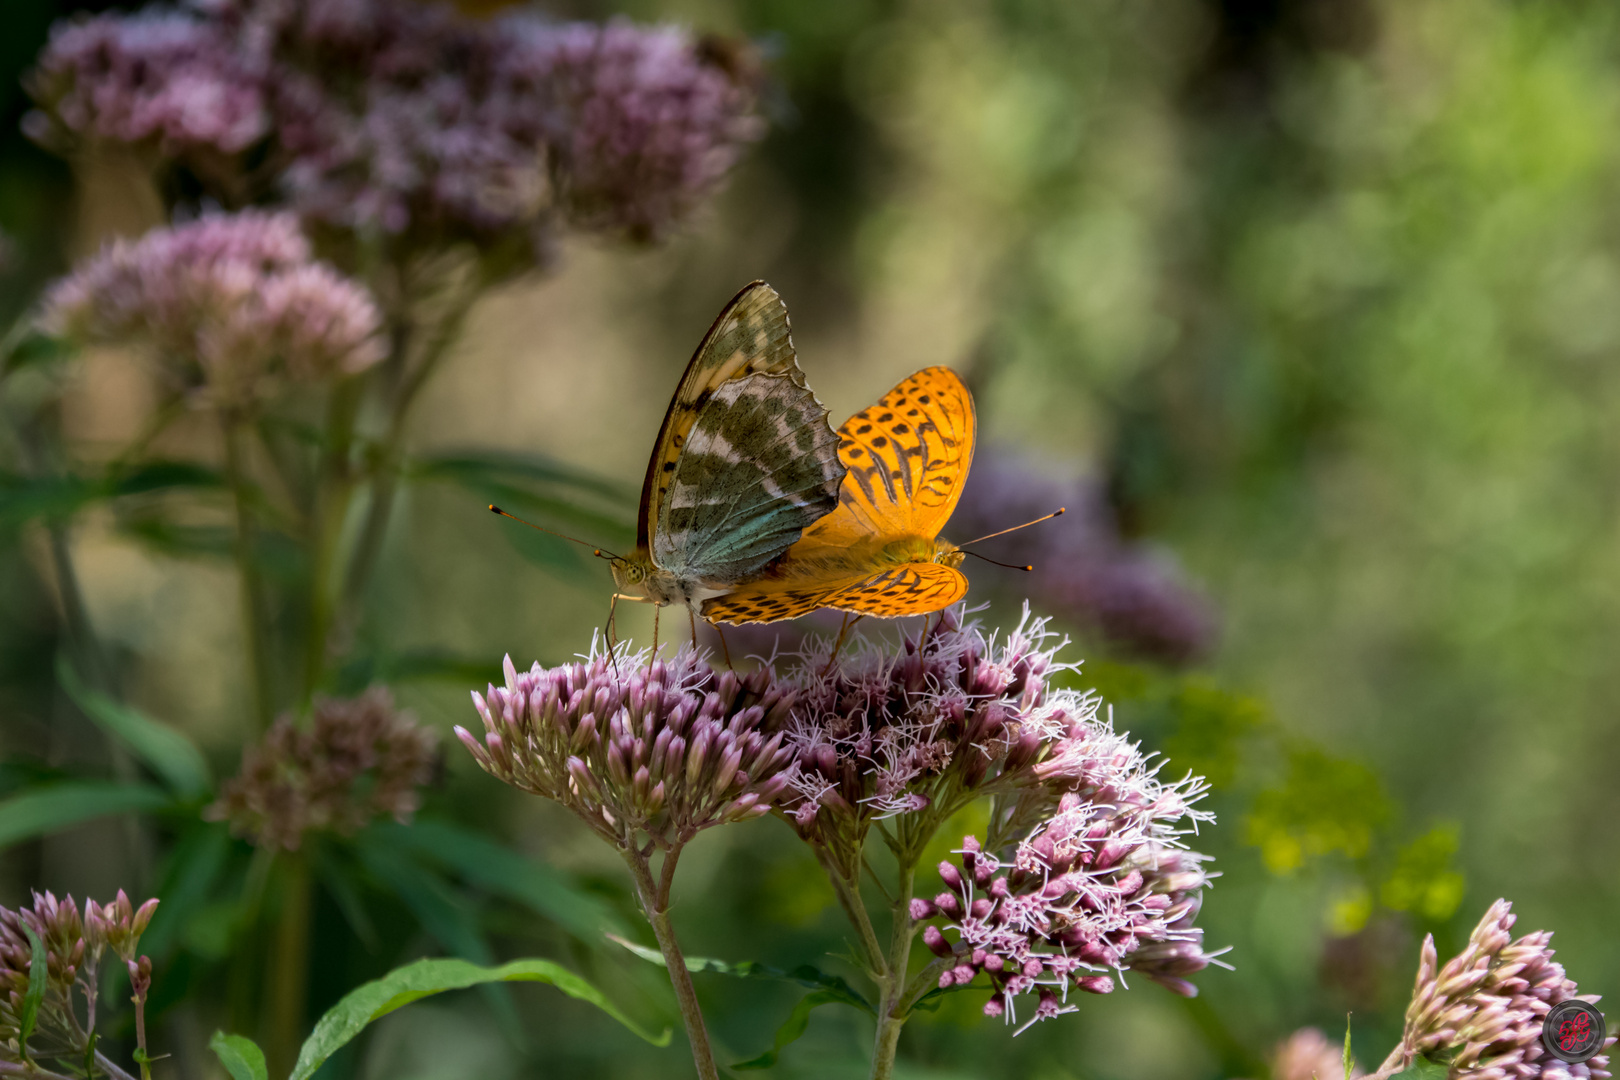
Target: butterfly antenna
{"x": 598, "y": 552}
{"x": 1008, "y": 565}
{"x": 1059, "y": 512}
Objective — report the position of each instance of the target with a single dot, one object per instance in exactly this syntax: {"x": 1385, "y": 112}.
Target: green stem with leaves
{"x": 893, "y": 1007}
{"x": 654, "y": 896}
{"x": 332, "y": 501}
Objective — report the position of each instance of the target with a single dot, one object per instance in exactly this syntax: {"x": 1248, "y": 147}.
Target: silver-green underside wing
{"x": 747, "y": 459}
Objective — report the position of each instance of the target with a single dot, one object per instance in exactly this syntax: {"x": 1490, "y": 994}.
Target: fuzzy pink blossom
{"x": 158, "y": 77}
{"x": 660, "y": 749}
{"x": 233, "y": 299}
{"x": 642, "y": 125}
{"x": 1485, "y": 1007}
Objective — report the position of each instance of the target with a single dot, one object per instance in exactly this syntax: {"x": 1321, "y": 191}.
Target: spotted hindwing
{"x": 908, "y": 589}
{"x": 746, "y": 459}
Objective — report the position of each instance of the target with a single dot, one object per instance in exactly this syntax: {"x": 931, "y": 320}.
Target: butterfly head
{"x": 947, "y": 553}
{"x": 629, "y": 574}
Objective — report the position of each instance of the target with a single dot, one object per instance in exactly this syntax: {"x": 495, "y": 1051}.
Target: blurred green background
{"x": 1324, "y": 293}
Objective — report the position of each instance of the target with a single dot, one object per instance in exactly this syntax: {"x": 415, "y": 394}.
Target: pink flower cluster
{"x": 641, "y": 127}
{"x": 884, "y": 732}
{"x": 233, "y": 299}
{"x": 156, "y": 78}
{"x": 1102, "y": 884}
{"x": 74, "y": 945}
{"x": 359, "y": 759}
{"x": 408, "y": 119}
{"x": 1486, "y": 1006}
{"x": 661, "y": 749}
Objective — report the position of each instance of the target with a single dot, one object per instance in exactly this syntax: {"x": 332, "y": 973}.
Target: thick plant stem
{"x": 655, "y": 903}
{"x": 849, "y": 898}
{"x": 326, "y": 532}
{"x": 247, "y": 571}
{"x": 893, "y": 1007}
{"x": 287, "y": 973}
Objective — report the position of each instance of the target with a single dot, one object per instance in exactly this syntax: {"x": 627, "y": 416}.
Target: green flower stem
{"x": 287, "y": 972}
{"x": 655, "y": 904}
{"x": 848, "y": 891}
{"x": 332, "y": 500}
{"x": 892, "y": 1007}
{"x": 254, "y": 618}
{"x": 387, "y": 461}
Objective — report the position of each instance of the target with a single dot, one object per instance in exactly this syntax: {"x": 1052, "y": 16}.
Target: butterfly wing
{"x": 908, "y": 457}
{"x": 745, "y": 459}
{"x": 908, "y": 589}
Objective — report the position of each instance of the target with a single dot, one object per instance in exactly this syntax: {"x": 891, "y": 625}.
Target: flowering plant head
{"x": 639, "y": 746}
{"x": 233, "y": 300}
{"x": 1098, "y": 880}
{"x": 1483, "y": 1010}
{"x": 74, "y": 946}
{"x": 358, "y": 759}
{"x": 159, "y": 79}
{"x": 405, "y": 121}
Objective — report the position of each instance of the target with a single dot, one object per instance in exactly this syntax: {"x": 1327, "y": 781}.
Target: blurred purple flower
{"x": 1132, "y": 595}
{"x": 158, "y": 77}
{"x": 1485, "y": 1007}
{"x": 1307, "y": 1054}
{"x": 237, "y": 298}
{"x": 642, "y": 122}
{"x": 662, "y": 749}
{"x": 359, "y": 759}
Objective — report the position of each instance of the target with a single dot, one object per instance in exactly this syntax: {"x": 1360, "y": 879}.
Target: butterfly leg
{"x": 724, "y": 650}
{"x": 611, "y": 633}
{"x": 654, "y": 652}
{"x": 843, "y": 629}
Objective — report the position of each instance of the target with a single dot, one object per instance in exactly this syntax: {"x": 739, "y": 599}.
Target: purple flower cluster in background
{"x": 159, "y": 79}
{"x": 661, "y": 749}
{"x": 387, "y": 117}
{"x": 241, "y": 296}
{"x": 642, "y": 129}
{"x": 1132, "y": 596}
{"x": 1486, "y": 1006}
{"x": 359, "y": 759}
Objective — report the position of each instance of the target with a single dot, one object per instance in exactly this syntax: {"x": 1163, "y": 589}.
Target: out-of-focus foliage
{"x": 1321, "y": 295}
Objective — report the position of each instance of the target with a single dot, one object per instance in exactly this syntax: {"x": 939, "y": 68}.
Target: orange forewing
{"x": 907, "y": 456}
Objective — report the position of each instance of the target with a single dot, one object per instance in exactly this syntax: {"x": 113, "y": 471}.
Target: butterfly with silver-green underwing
{"x": 746, "y": 460}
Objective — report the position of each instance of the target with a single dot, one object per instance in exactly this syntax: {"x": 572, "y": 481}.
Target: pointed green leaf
{"x": 240, "y": 1055}
{"x": 1348, "y": 1065}
{"x": 798, "y": 1020}
{"x": 61, "y": 806}
{"x": 38, "y": 976}
{"x": 190, "y": 872}
{"x": 166, "y": 751}
{"x": 804, "y": 974}
{"x": 1423, "y": 1069}
{"x": 413, "y": 982}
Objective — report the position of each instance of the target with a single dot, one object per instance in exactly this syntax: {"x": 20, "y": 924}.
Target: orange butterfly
{"x": 879, "y": 553}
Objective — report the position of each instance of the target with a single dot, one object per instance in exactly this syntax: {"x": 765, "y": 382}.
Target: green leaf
{"x": 38, "y": 976}
{"x": 440, "y": 911}
{"x": 1349, "y": 1065}
{"x": 193, "y": 868}
{"x": 170, "y": 754}
{"x": 26, "y": 349}
{"x": 804, "y": 975}
{"x": 61, "y": 806}
{"x": 530, "y": 472}
{"x": 424, "y": 978}
{"x": 25, "y": 497}
{"x": 240, "y": 1055}
{"x": 1423, "y": 1069}
{"x": 798, "y": 1020}
{"x": 488, "y": 865}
